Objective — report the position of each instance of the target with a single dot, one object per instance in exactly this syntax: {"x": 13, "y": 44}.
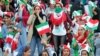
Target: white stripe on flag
{"x": 92, "y": 25}
{"x": 11, "y": 36}
{"x": 0, "y": 29}
{"x": 43, "y": 27}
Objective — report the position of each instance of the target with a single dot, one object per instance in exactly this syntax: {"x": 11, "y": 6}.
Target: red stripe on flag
{"x": 14, "y": 45}
{"x": 93, "y": 21}
{"x": 44, "y": 31}
{"x": 9, "y": 40}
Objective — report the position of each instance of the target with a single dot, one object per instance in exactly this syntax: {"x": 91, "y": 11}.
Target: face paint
{"x": 58, "y": 9}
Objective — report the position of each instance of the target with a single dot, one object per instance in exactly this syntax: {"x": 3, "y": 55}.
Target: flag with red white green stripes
{"x": 43, "y": 28}
{"x": 9, "y": 37}
{"x": 92, "y": 24}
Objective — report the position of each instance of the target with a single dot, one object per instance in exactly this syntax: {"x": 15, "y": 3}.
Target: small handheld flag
{"x": 43, "y": 28}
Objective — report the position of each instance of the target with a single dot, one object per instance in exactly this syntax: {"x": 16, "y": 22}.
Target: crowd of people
{"x": 53, "y": 27}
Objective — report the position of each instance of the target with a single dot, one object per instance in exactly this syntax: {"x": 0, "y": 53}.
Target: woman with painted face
{"x": 35, "y": 19}
{"x": 58, "y": 20}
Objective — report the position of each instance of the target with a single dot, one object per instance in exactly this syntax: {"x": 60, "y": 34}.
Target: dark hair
{"x": 54, "y": 54}
{"x": 37, "y": 6}
{"x": 44, "y": 51}
{"x": 62, "y": 52}
{"x": 86, "y": 52}
{"x": 26, "y": 48}
{"x": 59, "y": 4}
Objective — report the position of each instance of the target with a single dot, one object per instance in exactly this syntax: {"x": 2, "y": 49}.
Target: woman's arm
{"x": 42, "y": 20}
{"x": 31, "y": 19}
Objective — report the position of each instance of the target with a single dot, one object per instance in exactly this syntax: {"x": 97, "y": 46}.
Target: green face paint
{"x": 58, "y": 9}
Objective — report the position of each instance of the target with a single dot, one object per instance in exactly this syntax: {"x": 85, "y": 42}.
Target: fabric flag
{"x": 92, "y": 24}
{"x": 35, "y": 2}
{"x": 14, "y": 42}
{"x": 0, "y": 32}
{"x": 90, "y": 40}
{"x": 21, "y": 2}
{"x": 76, "y": 48}
{"x": 43, "y": 28}
{"x": 6, "y": 2}
{"x": 86, "y": 17}
{"x": 29, "y": 7}
{"x": 9, "y": 37}
{"x": 1, "y": 35}
{"x": 92, "y": 4}
{"x": 88, "y": 10}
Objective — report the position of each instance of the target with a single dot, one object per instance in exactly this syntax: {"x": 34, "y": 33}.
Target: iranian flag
{"x": 88, "y": 10}
{"x": 9, "y": 38}
{"x": 43, "y": 28}
{"x": 14, "y": 43}
{"x": 92, "y": 24}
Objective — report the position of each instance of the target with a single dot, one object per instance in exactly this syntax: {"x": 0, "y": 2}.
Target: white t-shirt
{"x": 59, "y": 30}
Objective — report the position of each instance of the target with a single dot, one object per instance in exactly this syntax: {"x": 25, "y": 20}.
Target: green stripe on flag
{"x": 35, "y": 0}
{"x": 29, "y": 7}
{"x": 88, "y": 28}
{"x": 90, "y": 40}
{"x": 1, "y": 36}
{"x": 90, "y": 10}
{"x": 41, "y": 25}
{"x": 21, "y": 2}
